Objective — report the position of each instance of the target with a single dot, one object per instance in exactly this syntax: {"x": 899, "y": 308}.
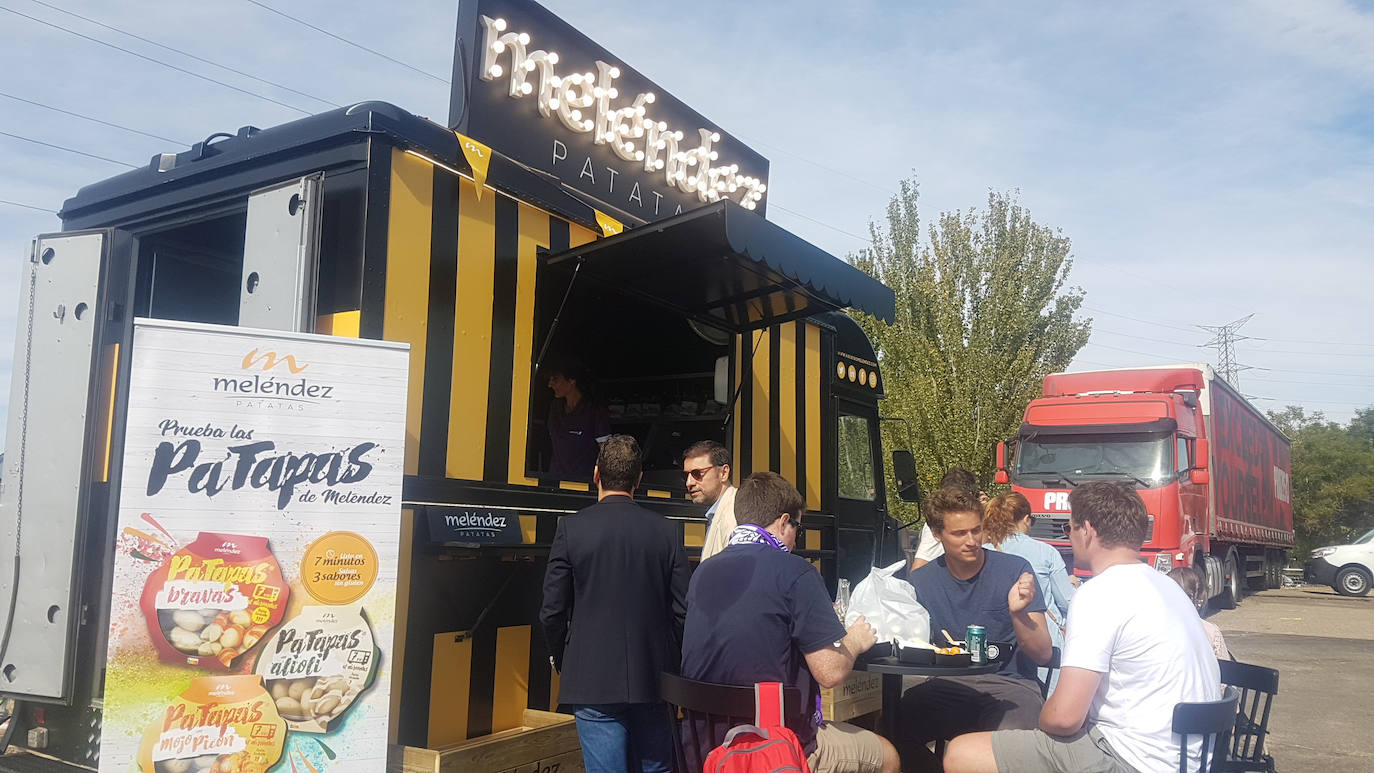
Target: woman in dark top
{"x": 577, "y": 424}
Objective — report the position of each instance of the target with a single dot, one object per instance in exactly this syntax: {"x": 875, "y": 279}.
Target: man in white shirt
{"x": 1133, "y": 650}
{"x": 706, "y": 468}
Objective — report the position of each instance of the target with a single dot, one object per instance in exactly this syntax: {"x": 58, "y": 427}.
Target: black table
{"x": 893, "y": 671}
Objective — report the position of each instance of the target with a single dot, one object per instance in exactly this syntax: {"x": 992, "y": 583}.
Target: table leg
{"x": 892, "y": 699}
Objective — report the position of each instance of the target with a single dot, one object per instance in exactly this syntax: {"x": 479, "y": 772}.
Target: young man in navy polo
{"x": 970, "y": 585}
{"x": 757, "y": 613}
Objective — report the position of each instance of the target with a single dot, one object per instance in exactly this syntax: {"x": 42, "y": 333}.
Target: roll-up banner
{"x": 254, "y": 583}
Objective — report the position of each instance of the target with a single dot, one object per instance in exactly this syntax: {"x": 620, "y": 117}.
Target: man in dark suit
{"x": 615, "y": 599}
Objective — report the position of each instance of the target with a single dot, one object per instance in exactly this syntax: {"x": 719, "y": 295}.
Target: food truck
{"x": 569, "y": 210}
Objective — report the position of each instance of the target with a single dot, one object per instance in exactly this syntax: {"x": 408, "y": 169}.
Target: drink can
{"x": 976, "y": 642}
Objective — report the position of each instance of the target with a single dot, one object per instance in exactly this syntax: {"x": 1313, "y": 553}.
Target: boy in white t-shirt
{"x": 1133, "y": 650}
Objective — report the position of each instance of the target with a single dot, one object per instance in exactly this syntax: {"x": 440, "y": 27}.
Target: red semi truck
{"x": 1213, "y": 471}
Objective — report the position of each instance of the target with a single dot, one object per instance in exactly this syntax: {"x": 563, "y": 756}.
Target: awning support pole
{"x": 548, "y": 339}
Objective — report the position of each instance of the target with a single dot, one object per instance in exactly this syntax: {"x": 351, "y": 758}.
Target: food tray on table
{"x": 954, "y": 656}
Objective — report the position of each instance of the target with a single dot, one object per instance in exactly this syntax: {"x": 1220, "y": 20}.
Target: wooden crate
{"x": 545, "y": 743}
{"x": 860, "y": 694}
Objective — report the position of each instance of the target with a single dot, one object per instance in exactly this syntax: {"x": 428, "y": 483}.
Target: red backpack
{"x": 766, "y": 746}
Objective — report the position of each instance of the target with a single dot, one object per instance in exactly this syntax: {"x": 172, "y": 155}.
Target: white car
{"x": 1349, "y": 569}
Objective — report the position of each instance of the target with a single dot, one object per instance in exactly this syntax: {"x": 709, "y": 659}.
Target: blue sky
{"x": 1208, "y": 159}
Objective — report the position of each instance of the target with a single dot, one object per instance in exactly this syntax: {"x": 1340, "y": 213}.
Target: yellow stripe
{"x": 512, "y": 691}
{"x": 734, "y": 409}
{"x": 813, "y": 539}
{"x": 406, "y": 315}
{"x": 693, "y": 534}
{"x": 528, "y": 524}
{"x": 534, "y": 233}
{"x": 653, "y": 492}
{"x": 467, "y": 418}
{"x": 450, "y": 680}
{"x": 402, "y": 619}
{"x": 787, "y": 402}
{"x": 578, "y": 236}
{"x": 813, "y": 417}
{"x": 342, "y": 324}
{"x": 572, "y": 485}
{"x": 759, "y": 405}
{"x": 109, "y": 370}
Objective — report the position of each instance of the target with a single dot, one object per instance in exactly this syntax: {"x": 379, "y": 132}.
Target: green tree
{"x": 983, "y": 315}
{"x": 1333, "y": 476}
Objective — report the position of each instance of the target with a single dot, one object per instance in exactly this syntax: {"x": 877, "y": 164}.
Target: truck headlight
{"x": 1164, "y": 562}
{"x": 1323, "y": 552}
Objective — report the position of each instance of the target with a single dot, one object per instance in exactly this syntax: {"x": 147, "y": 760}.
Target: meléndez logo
{"x": 278, "y": 378}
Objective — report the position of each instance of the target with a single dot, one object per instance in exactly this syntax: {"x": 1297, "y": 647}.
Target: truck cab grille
{"x": 1054, "y": 527}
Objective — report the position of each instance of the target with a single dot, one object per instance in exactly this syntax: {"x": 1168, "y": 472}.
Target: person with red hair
{"x": 1006, "y": 526}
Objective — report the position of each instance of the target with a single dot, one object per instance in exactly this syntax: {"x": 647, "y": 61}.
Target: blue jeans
{"x": 625, "y": 737}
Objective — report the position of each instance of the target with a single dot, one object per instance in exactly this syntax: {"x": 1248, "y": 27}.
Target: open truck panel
{"x": 370, "y": 222}
{"x": 1212, "y": 470}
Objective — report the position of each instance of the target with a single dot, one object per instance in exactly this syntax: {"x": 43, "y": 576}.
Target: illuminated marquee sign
{"x": 543, "y": 94}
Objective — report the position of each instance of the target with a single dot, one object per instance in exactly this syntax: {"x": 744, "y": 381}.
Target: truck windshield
{"x": 1147, "y": 458}
{"x": 1368, "y": 536}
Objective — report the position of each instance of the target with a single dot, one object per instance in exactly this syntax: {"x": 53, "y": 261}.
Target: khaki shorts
{"x": 1033, "y": 751}
{"x": 844, "y": 748}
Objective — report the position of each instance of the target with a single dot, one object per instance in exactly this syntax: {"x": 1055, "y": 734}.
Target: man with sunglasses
{"x": 706, "y": 469}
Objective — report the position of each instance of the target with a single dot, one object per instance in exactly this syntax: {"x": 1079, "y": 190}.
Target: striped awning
{"x": 730, "y": 268}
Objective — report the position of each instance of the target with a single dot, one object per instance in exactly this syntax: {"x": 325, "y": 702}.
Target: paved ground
{"x": 1323, "y": 646}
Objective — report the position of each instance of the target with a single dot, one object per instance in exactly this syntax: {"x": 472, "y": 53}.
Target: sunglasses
{"x": 698, "y": 473}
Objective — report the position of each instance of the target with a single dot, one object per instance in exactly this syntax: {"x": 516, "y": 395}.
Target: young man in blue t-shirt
{"x": 972, "y": 586}
{"x": 757, "y": 613}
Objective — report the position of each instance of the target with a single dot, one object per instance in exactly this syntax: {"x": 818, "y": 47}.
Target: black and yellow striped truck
{"x": 699, "y": 318}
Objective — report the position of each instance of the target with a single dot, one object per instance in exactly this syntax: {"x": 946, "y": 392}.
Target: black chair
{"x": 1053, "y": 666}
{"x": 1212, "y": 720}
{"x": 708, "y": 711}
{"x": 1258, "y": 686}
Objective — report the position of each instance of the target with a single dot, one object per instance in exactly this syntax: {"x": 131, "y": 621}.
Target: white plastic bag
{"x": 889, "y": 603}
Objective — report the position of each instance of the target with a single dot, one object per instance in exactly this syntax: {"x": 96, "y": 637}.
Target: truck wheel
{"x": 1351, "y": 581}
{"x": 1231, "y": 593}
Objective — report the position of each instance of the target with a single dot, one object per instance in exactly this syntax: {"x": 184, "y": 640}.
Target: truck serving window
{"x": 644, "y": 370}
{"x": 1147, "y": 458}
{"x": 856, "y": 458}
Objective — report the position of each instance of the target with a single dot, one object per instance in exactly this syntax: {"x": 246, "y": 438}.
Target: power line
{"x": 89, "y": 118}
{"x": 1252, "y": 338}
{"x": 863, "y": 239}
{"x": 1312, "y": 383}
{"x": 1155, "y": 356}
{"x": 1305, "y": 400}
{"x": 1305, "y": 341}
{"x": 69, "y": 150}
{"x": 808, "y": 160}
{"x": 1132, "y": 351}
{"x": 27, "y": 206}
{"x": 154, "y": 61}
{"x": 1145, "y": 338}
{"x": 187, "y": 54}
{"x": 1316, "y": 354}
{"x": 1138, "y": 319}
{"x": 1314, "y": 372}
{"x": 360, "y": 46}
